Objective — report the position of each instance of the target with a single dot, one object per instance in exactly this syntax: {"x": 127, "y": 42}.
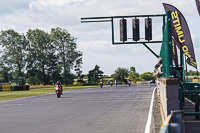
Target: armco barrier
{"x": 13, "y": 88}
{"x": 143, "y": 82}
{"x": 89, "y": 84}
{"x": 19, "y": 88}
{"x": 118, "y": 83}
{"x": 103, "y": 83}
{"x": 6, "y": 88}
{"x": 26, "y": 87}
{"x": 173, "y": 123}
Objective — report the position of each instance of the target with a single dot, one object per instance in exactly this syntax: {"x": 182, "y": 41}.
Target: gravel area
{"x": 156, "y": 116}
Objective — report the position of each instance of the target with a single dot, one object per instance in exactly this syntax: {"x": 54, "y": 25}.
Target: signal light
{"x": 123, "y": 30}
{"x": 148, "y": 29}
{"x": 136, "y": 29}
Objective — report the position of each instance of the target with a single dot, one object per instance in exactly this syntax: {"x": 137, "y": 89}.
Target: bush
{"x": 147, "y": 76}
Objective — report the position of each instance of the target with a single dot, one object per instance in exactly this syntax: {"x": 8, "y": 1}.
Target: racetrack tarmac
{"x": 120, "y": 109}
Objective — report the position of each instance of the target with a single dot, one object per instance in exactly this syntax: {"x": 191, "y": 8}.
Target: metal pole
{"x": 137, "y": 42}
{"x": 186, "y": 69}
{"x": 169, "y": 59}
{"x": 198, "y": 75}
{"x": 112, "y": 26}
{"x": 197, "y": 105}
{"x": 163, "y": 24}
{"x": 184, "y": 64}
{"x": 107, "y": 18}
{"x": 150, "y": 50}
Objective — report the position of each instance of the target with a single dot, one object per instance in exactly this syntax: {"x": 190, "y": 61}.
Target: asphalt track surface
{"x": 120, "y": 109}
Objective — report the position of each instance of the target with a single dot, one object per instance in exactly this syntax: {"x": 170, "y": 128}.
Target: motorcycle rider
{"x": 101, "y": 83}
{"x": 111, "y": 83}
{"x": 129, "y": 82}
{"x": 58, "y": 83}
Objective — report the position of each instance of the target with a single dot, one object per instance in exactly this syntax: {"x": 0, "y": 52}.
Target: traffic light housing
{"x": 123, "y": 30}
{"x": 148, "y": 29}
{"x": 136, "y": 29}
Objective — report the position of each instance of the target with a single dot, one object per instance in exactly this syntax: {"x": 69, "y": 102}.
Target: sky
{"x": 95, "y": 39}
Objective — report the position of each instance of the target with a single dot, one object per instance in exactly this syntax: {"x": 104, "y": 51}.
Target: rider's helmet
{"x": 58, "y": 82}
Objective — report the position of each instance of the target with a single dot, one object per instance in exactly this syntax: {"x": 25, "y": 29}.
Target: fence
{"x": 192, "y": 92}
{"x": 143, "y": 82}
{"x": 13, "y": 88}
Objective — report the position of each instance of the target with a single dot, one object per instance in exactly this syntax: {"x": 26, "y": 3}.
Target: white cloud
{"x": 8, "y": 6}
{"x": 58, "y": 2}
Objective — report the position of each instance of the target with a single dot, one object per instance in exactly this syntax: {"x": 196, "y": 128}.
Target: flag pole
{"x": 186, "y": 69}
{"x": 198, "y": 75}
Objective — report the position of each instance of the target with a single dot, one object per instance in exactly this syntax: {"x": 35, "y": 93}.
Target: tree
{"x": 133, "y": 76}
{"x": 95, "y": 74}
{"x": 120, "y": 74}
{"x": 147, "y": 76}
{"x": 132, "y": 70}
{"x": 65, "y": 46}
{"x": 191, "y": 73}
{"x": 44, "y": 57}
{"x": 13, "y": 50}
{"x": 78, "y": 70}
{"x": 5, "y": 75}
{"x": 39, "y": 51}
{"x": 54, "y": 69}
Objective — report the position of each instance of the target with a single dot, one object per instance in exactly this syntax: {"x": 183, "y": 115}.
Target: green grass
{"x": 36, "y": 91}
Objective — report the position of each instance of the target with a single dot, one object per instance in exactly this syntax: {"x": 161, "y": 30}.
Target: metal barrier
{"x": 143, "y": 82}
{"x": 192, "y": 92}
{"x": 173, "y": 123}
{"x": 164, "y": 127}
{"x": 6, "y": 88}
{"x": 197, "y": 101}
{"x": 14, "y": 88}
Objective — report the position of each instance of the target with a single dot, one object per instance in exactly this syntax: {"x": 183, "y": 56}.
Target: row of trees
{"x": 191, "y": 73}
{"x": 41, "y": 57}
{"x": 120, "y": 74}
{"x": 38, "y": 57}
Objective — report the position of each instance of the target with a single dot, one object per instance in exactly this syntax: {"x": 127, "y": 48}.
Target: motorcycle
{"x": 101, "y": 84}
{"x": 152, "y": 81}
{"x": 111, "y": 83}
{"x": 58, "y": 90}
{"x": 129, "y": 83}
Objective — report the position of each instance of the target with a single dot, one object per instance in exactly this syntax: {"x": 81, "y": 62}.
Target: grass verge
{"x": 37, "y": 91}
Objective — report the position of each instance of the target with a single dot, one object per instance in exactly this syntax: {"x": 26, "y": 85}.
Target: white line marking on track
{"x": 148, "y": 125}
